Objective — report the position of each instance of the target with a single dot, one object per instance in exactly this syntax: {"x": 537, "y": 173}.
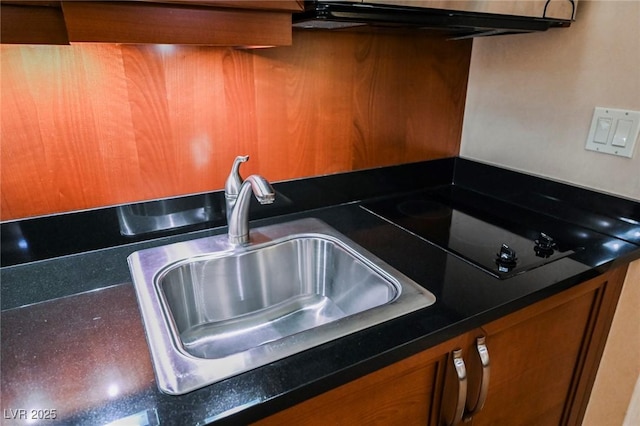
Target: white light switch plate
{"x": 614, "y": 131}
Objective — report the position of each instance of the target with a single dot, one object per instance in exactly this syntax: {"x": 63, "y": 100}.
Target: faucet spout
{"x": 239, "y": 215}
{"x": 233, "y": 183}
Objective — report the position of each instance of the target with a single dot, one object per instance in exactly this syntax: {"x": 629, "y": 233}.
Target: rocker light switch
{"x": 602, "y": 130}
{"x": 613, "y": 131}
{"x": 621, "y": 135}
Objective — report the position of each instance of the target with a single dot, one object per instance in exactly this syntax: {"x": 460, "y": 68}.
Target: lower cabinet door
{"x": 535, "y": 355}
{"x": 405, "y": 393}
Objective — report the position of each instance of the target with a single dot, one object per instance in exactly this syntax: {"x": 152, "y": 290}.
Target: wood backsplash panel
{"x": 407, "y": 108}
{"x": 62, "y": 125}
{"x": 316, "y": 104}
{"x": 94, "y": 125}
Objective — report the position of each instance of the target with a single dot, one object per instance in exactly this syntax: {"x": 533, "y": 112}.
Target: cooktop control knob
{"x": 506, "y": 258}
{"x": 545, "y": 245}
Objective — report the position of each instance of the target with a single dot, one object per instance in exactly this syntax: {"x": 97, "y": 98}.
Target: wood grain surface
{"x": 101, "y": 124}
{"x": 142, "y": 22}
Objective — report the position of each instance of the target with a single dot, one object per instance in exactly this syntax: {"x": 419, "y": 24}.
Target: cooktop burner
{"x": 499, "y": 251}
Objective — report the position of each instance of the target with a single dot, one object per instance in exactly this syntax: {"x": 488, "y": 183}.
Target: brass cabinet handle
{"x": 483, "y": 355}
{"x": 461, "y": 374}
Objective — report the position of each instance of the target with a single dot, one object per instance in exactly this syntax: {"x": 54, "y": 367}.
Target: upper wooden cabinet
{"x": 558, "y": 9}
{"x": 213, "y": 22}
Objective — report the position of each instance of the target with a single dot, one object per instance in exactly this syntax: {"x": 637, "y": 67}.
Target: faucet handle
{"x": 234, "y": 180}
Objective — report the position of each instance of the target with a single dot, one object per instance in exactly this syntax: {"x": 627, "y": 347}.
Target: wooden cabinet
{"x": 212, "y": 23}
{"x": 538, "y": 357}
{"x": 540, "y": 367}
{"x": 559, "y": 9}
{"x": 403, "y": 393}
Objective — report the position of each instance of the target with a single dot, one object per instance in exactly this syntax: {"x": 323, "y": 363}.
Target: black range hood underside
{"x": 456, "y": 24}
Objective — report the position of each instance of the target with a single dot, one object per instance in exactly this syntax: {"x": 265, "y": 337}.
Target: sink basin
{"x": 212, "y": 310}
{"x": 228, "y": 304}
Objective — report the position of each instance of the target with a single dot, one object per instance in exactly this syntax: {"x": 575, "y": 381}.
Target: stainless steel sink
{"x": 213, "y": 310}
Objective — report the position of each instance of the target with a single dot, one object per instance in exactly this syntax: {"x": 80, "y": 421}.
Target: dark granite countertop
{"x": 73, "y": 339}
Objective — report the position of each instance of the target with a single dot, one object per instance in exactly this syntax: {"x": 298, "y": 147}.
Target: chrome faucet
{"x": 237, "y": 195}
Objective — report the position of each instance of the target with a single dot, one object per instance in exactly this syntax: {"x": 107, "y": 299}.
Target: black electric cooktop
{"x": 502, "y": 249}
